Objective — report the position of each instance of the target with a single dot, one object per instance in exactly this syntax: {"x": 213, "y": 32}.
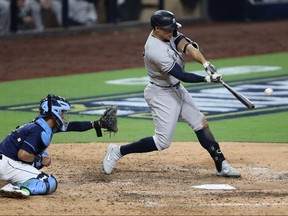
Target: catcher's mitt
{"x": 109, "y": 120}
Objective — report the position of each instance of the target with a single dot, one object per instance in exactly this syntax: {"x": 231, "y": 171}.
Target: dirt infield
{"x": 154, "y": 183}
{"x": 161, "y": 183}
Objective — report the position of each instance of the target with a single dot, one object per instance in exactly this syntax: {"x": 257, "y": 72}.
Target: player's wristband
{"x": 37, "y": 158}
{"x": 206, "y": 64}
{"x": 97, "y": 128}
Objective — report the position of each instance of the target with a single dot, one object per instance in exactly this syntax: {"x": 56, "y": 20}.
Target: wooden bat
{"x": 239, "y": 96}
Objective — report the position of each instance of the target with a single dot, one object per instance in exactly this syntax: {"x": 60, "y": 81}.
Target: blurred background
{"x": 38, "y": 16}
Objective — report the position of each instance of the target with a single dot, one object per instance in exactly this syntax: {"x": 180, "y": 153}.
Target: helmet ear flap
{"x": 175, "y": 33}
{"x": 46, "y": 109}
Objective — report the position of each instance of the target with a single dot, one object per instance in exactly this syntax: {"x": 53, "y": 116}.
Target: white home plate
{"x": 215, "y": 187}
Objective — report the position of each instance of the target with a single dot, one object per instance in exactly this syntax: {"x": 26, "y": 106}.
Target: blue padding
{"x": 46, "y": 139}
{"x": 46, "y": 135}
{"x": 43, "y": 184}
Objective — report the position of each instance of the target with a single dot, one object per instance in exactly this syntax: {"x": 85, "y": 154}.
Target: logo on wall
{"x": 212, "y": 99}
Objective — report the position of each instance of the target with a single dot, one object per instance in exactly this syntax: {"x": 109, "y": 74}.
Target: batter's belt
{"x": 170, "y": 86}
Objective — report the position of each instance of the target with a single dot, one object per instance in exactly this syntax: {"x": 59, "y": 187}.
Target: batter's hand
{"x": 213, "y": 78}
{"x": 209, "y": 68}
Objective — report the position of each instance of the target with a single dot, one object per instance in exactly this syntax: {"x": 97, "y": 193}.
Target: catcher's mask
{"x": 165, "y": 20}
{"x": 57, "y": 107}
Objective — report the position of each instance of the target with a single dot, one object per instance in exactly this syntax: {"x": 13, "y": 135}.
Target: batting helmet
{"x": 56, "y": 107}
{"x": 164, "y": 19}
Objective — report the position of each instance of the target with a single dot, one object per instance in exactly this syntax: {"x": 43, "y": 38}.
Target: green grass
{"x": 260, "y": 128}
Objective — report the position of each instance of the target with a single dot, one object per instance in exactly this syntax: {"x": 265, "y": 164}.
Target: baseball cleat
{"x": 12, "y": 191}
{"x": 112, "y": 156}
{"x": 228, "y": 170}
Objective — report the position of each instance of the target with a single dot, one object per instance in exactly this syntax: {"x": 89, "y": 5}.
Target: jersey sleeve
{"x": 32, "y": 142}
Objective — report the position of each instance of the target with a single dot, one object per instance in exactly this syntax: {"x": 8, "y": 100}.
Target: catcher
{"x": 23, "y": 152}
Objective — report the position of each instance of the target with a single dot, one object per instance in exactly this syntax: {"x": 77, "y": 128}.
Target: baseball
{"x": 268, "y": 91}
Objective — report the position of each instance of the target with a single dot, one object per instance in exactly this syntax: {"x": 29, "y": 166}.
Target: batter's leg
{"x": 165, "y": 107}
{"x": 191, "y": 114}
{"x": 143, "y": 145}
{"x": 208, "y": 142}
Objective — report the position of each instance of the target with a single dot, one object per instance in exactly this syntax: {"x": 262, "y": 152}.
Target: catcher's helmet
{"x": 56, "y": 107}
{"x": 164, "y": 19}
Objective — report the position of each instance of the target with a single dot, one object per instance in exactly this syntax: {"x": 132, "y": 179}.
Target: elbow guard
{"x": 180, "y": 36}
{"x": 194, "y": 44}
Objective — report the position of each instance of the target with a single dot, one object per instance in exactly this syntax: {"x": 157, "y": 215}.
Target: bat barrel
{"x": 239, "y": 96}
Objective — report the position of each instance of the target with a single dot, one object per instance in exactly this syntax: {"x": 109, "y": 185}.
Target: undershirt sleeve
{"x": 180, "y": 74}
{"x": 79, "y": 126}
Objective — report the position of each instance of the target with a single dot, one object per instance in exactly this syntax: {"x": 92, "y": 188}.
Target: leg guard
{"x": 43, "y": 184}
{"x": 208, "y": 142}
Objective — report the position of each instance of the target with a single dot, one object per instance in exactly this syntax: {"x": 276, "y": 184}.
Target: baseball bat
{"x": 239, "y": 96}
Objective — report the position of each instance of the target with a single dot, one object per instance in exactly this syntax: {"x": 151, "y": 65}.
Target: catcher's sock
{"x": 208, "y": 142}
{"x": 144, "y": 145}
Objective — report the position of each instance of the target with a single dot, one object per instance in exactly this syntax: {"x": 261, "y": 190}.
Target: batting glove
{"x": 213, "y": 78}
{"x": 209, "y": 68}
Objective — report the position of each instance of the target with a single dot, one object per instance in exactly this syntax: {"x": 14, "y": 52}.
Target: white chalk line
{"x": 257, "y": 169}
{"x": 151, "y": 203}
{"x": 203, "y": 192}
{"x": 237, "y": 204}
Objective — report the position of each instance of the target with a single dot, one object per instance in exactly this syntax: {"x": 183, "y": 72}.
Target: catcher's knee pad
{"x": 43, "y": 184}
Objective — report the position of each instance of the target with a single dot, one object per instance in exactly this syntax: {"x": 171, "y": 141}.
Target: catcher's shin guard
{"x": 43, "y": 184}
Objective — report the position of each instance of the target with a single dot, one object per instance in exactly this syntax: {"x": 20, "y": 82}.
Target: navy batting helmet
{"x": 164, "y": 19}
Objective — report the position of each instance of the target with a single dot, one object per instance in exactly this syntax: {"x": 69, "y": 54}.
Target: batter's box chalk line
{"x": 214, "y": 187}
{"x": 256, "y": 169}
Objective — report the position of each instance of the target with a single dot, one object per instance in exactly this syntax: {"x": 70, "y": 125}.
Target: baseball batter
{"x": 167, "y": 98}
{"x": 23, "y": 152}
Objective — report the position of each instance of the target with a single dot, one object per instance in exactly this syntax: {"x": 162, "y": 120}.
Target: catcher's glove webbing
{"x": 108, "y": 121}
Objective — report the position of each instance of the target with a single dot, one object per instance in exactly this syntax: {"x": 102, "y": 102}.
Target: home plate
{"x": 215, "y": 187}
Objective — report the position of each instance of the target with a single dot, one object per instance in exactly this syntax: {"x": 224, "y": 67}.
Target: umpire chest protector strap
{"x": 46, "y": 135}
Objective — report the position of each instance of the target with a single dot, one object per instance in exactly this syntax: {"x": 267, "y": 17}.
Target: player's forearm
{"x": 195, "y": 54}
{"x": 25, "y": 156}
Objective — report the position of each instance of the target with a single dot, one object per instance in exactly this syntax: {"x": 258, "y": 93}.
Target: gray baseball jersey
{"x": 160, "y": 58}
{"x": 167, "y": 99}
